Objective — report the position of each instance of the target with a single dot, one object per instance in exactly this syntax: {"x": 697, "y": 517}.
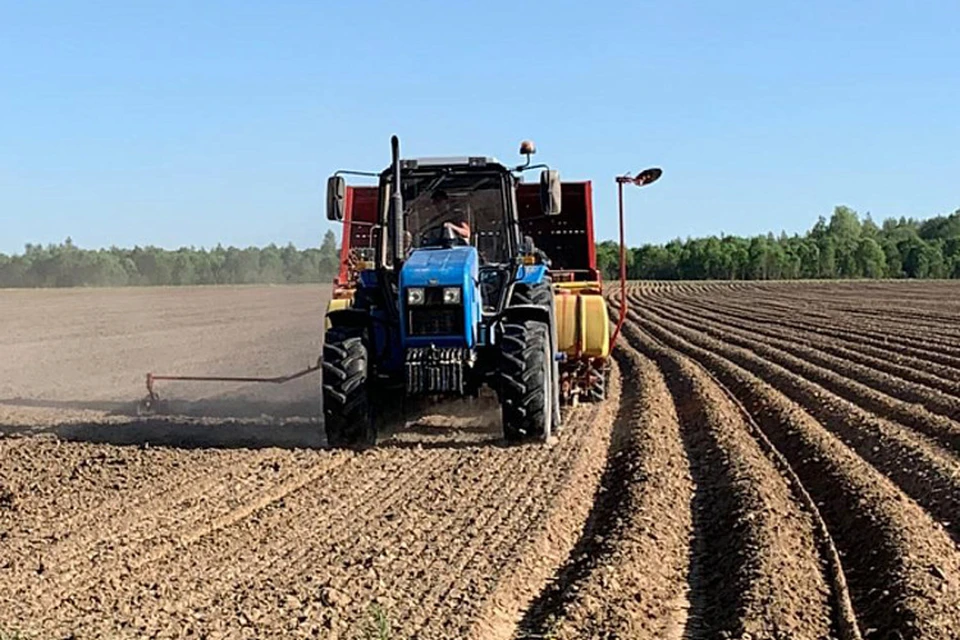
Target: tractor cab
{"x": 444, "y": 257}
{"x": 459, "y": 203}
{"x": 456, "y": 210}
{"x": 473, "y": 201}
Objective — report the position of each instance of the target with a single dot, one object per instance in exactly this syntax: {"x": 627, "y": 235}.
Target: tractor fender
{"x": 381, "y": 342}
{"x": 522, "y": 312}
{"x": 348, "y": 317}
{"x": 336, "y": 304}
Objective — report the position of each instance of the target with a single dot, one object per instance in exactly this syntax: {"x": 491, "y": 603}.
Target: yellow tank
{"x": 567, "y": 321}
{"x": 583, "y": 326}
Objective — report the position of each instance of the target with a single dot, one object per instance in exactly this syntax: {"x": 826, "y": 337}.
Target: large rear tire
{"x": 526, "y": 378}
{"x": 346, "y": 408}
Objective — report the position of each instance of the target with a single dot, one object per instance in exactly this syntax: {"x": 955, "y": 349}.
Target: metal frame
{"x": 150, "y": 402}
{"x": 645, "y": 177}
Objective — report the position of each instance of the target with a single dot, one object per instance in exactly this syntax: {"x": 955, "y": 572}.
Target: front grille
{"x": 436, "y": 320}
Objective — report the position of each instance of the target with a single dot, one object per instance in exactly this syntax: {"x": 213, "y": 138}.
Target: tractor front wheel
{"x": 346, "y": 408}
{"x": 526, "y": 372}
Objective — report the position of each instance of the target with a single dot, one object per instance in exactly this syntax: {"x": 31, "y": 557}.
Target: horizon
{"x": 175, "y": 125}
{"x": 196, "y": 247}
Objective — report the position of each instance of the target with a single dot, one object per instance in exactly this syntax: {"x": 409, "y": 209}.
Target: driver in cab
{"x": 455, "y": 226}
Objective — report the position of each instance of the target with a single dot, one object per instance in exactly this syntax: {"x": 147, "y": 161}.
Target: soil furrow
{"x": 870, "y": 357}
{"x": 390, "y": 522}
{"x": 902, "y": 567}
{"x": 169, "y": 528}
{"x": 833, "y": 328}
{"x": 843, "y": 617}
{"x": 627, "y": 576}
{"x": 744, "y": 518}
{"x": 924, "y": 409}
{"x": 837, "y": 379}
{"x": 788, "y": 320}
{"x": 232, "y": 557}
{"x": 918, "y": 466}
{"x": 70, "y": 522}
{"x": 526, "y": 557}
{"x": 260, "y": 551}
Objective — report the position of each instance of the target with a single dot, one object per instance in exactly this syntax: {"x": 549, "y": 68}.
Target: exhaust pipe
{"x": 396, "y": 204}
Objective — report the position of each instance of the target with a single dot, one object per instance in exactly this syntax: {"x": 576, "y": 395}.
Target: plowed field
{"x": 774, "y": 461}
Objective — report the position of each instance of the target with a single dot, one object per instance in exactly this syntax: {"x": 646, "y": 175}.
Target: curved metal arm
{"x": 347, "y": 172}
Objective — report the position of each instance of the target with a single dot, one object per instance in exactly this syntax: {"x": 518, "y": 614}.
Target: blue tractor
{"x": 456, "y": 298}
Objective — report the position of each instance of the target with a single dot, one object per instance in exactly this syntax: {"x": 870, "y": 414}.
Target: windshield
{"x": 449, "y": 209}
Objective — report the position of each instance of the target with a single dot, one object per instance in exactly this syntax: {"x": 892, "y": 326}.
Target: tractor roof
{"x": 450, "y": 161}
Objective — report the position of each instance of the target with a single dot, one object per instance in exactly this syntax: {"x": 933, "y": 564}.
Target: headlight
{"x": 415, "y": 295}
{"x": 451, "y": 295}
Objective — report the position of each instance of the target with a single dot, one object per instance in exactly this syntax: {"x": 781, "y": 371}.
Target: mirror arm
{"x": 348, "y": 172}
{"x": 528, "y": 166}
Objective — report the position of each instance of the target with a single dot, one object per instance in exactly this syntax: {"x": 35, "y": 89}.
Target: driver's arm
{"x": 462, "y": 229}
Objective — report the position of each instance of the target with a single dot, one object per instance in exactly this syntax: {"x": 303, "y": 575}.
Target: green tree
{"x": 271, "y": 265}
{"x": 894, "y": 262}
{"x": 841, "y": 247}
{"x": 809, "y": 254}
{"x": 183, "y": 271}
{"x": 844, "y": 229}
{"x": 871, "y": 261}
{"x": 608, "y": 259}
{"x": 329, "y": 257}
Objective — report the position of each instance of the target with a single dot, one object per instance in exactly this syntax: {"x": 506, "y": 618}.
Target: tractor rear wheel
{"x": 526, "y": 377}
{"x": 346, "y": 408}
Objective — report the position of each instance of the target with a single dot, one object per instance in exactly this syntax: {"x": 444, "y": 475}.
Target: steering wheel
{"x": 441, "y": 235}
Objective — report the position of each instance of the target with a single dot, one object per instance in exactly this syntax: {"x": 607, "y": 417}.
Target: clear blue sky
{"x": 182, "y": 123}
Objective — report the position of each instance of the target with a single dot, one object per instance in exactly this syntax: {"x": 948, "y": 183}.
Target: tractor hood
{"x": 456, "y": 266}
{"x": 434, "y": 322}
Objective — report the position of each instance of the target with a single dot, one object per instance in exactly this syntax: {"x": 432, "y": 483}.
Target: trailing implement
{"x": 456, "y": 274}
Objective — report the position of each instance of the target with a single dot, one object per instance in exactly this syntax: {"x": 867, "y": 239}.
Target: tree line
{"x": 842, "y": 247}
{"x": 66, "y": 265}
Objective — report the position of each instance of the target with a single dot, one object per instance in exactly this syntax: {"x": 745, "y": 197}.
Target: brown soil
{"x": 770, "y": 454}
{"x": 229, "y": 518}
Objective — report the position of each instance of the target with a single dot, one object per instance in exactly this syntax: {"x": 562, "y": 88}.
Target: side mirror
{"x": 550, "y": 192}
{"x": 336, "y": 198}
